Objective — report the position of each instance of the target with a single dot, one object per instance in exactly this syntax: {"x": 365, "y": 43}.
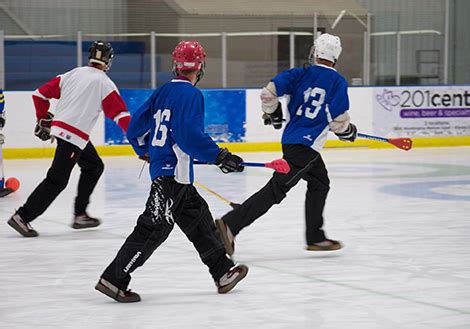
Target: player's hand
{"x": 275, "y": 119}
{"x": 349, "y": 135}
{"x": 145, "y": 157}
{"x": 2, "y": 138}
{"x": 229, "y": 162}
{"x": 43, "y": 127}
{"x": 2, "y": 120}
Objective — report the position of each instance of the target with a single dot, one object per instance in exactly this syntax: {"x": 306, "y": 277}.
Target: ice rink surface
{"x": 404, "y": 218}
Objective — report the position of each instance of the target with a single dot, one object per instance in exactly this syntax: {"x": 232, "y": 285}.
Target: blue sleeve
{"x": 339, "y": 101}
{"x": 138, "y": 132}
{"x": 2, "y": 101}
{"x": 188, "y": 130}
{"x": 285, "y": 81}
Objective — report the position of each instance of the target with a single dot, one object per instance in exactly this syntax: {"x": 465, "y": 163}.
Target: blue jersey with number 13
{"x": 318, "y": 94}
{"x": 169, "y": 127}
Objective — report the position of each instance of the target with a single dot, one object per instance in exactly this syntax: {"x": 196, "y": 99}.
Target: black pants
{"x": 65, "y": 158}
{"x": 305, "y": 164}
{"x": 169, "y": 202}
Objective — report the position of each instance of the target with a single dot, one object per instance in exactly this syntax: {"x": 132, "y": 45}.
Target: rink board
{"x": 431, "y": 115}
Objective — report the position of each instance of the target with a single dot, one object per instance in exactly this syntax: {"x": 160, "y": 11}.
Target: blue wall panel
{"x": 224, "y": 119}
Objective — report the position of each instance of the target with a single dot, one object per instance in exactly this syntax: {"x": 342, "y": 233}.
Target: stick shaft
{"x": 253, "y": 164}
{"x": 142, "y": 169}
{"x": 205, "y": 188}
{"x": 377, "y": 138}
{"x": 248, "y": 164}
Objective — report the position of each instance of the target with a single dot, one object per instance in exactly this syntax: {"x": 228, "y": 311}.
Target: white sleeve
{"x": 269, "y": 98}
{"x": 108, "y": 86}
{"x": 340, "y": 123}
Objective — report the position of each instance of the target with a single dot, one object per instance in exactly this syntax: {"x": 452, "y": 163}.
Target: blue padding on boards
{"x": 225, "y": 114}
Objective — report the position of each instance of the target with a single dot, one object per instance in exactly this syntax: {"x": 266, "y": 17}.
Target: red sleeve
{"x": 42, "y": 95}
{"x": 115, "y": 109}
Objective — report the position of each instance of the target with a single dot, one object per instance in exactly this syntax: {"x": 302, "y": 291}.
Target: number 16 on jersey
{"x": 161, "y": 131}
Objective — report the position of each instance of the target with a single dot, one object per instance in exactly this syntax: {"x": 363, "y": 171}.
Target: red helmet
{"x": 188, "y": 55}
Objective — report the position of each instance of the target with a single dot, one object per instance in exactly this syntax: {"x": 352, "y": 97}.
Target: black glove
{"x": 229, "y": 162}
{"x": 274, "y": 118}
{"x": 43, "y": 127}
{"x": 145, "y": 157}
{"x": 2, "y": 121}
{"x": 349, "y": 135}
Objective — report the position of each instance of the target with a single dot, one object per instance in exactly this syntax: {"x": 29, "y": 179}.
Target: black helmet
{"x": 101, "y": 52}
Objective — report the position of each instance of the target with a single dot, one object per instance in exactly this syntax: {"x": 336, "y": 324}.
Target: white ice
{"x": 404, "y": 218}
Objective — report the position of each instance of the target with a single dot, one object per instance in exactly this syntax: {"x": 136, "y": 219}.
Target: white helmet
{"x": 326, "y": 46}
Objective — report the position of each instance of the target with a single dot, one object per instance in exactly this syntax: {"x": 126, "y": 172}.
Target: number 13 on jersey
{"x": 161, "y": 130}
{"x": 312, "y": 97}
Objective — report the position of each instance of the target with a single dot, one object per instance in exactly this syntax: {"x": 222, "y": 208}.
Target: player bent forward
{"x": 169, "y": 131}
{"x": 318, "y": 103}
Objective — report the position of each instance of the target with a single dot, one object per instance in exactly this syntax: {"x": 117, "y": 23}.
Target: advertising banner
{"x": 421, "y": 111}
{"x": 224, "y": 114}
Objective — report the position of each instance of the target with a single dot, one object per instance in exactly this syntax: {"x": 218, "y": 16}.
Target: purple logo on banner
{"x": 435, "y": 113}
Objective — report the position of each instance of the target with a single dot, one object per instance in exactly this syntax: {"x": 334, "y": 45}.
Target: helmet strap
{"x": 200, "y": 73}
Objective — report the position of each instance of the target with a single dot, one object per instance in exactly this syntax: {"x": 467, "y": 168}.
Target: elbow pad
{"x": 269, "y": 98}
{"x": 340, "y": 123}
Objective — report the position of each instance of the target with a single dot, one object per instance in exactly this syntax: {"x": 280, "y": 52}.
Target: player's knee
{"x": 278, "y": 191}
{"x": 149, "y": 223}
{"x": 318, "y": 186}
{"x": 99, "y": 168}
{"x": 57, "y": 181}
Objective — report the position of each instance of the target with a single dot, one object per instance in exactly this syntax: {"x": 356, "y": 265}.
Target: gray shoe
{"x": 84, "y": 221}
{"x": 121, "y": 296}
{"x": 230, "y": 279}
{"x": 227, "y": 237}
{"x": 21, "y": 227}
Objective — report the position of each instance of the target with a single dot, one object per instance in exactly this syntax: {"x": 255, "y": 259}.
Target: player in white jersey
{"x": 318, "y": 103}
{"x": 83, "y": 93}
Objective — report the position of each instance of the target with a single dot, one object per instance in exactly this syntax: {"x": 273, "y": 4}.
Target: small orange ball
{"x": 12, "y": 183}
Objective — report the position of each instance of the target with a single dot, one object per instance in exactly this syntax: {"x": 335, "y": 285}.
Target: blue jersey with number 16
{"x": 169, "y": 127}
{"x": 318, "y": 94}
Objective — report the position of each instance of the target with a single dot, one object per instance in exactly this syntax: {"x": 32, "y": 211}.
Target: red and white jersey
{"x": 83, "y": 93}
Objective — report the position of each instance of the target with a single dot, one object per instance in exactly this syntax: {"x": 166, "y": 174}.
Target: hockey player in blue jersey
{"x": 318, "y": 104}
{"x": 168, "y": 130}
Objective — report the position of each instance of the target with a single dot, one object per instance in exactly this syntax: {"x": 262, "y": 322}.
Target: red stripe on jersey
{"x": 71, "y": 129}
{"x": 124, "y": 122}
{"x": 49, "y": 90}
{"x": 113, "y": 105}
{"x": 41, "y": 106}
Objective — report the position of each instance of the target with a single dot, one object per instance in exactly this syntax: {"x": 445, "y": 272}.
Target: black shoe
{"x": 84, "y": 221}
{"x": 121, "y": 296}
{"x": 226, "y": 236}
{"x": 21, "y": 227}
{"x": 325, "y": 245}
{"x": 230, "y": 279}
